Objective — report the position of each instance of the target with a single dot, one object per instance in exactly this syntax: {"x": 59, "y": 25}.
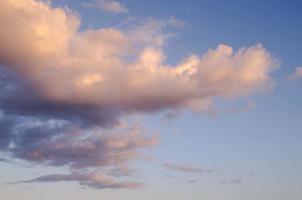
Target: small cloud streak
{"x": 192, "y": 181}
{"x": 183, "y": 168}
{"x": 111, "y": 6}
{"x": 92, "y": 180}
{"x": 232, "y": 181}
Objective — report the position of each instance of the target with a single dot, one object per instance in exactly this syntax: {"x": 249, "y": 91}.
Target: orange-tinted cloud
{"x": 119, "y": 68}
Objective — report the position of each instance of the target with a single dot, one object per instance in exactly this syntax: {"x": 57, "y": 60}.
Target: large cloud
{"x": 62, "y": 88}
{"x": 115, "y": 68}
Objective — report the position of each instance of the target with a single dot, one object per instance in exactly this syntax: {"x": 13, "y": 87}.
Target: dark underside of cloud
{"x": 37, "y": 130}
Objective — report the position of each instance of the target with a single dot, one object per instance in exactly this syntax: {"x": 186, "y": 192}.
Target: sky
{"x": 153, "y": 100}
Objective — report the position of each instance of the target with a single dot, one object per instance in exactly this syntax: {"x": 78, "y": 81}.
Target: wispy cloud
{"x": 192, "y": 181}
{"x": 232, "y": 181}
{"x": 183, "y": 168}
{"x": 111, "y": 6}
{"x": 177, "y": 23}
{"x": 122, "y": 170}
{"x": 92, "y": 180}
{"x": 297, "y": 74}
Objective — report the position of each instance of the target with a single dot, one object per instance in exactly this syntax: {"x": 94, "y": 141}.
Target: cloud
{"x": 60, "y": 143}
{"x": 192, "y": 181}
{"x": 169, "y": 116}
{"x": 177, "y": 23}
{"x": 121, "y": 171}
{"x": 92, "y": 180}
{"x": 65, "y": 92}
{"x": 183, "y": 168}
{"x": 297, "y": 74}
{"x": 3, "y": 160}
{"x": 111, "y": 6}
{"x": 232, "y": 181}
{"x": 120, "y": 70}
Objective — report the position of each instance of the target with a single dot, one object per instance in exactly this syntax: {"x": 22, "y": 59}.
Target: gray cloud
{"x": 57, "y": 139}
{"x": 20, "y": 98}
{"x": 183, "y": 168}
{"x": 232, "y": 181}
{"x": 61, "y": 143}
{"x": 6, "y": 128}
{"x": 3, "y": 160}
{"x": 92, "y": 180}
{"x": 192, "y": 181}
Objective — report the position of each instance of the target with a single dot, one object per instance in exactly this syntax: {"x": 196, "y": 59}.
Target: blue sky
{"x": 244, "y": 145}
